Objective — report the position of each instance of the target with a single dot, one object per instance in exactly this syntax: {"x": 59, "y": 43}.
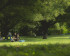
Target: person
{"x": 17, "y": 36}
{"x": 14, "y": 37}
{"x": 0, "y": 34}
{"x": 9, "y": 35}
{"x": 1, "y": 37}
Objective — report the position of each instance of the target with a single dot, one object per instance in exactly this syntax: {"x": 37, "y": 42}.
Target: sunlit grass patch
{"x": 53, "y": 46}
{"x": 51, "y": 40}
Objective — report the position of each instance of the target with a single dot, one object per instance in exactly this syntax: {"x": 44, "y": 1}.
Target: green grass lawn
{"x": 53, "y": 46}
{"x": 63, "y": 39}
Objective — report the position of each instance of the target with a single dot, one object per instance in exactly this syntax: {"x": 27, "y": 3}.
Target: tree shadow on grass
{"x": 36, "y": 50}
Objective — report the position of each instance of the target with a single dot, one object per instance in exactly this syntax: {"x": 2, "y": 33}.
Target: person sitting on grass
{"x": 15, "y": 37}
{"x": 18, "y": 36}
{"x": 9, "y": 35}
{"x": 1, "y": 37}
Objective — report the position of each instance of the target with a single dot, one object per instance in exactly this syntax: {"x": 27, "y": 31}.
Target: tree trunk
{"x": 44, "y": 28}
{"x": 45, "y": 36}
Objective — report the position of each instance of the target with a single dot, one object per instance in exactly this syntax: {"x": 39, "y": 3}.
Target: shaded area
{"x": 36, "y": 50}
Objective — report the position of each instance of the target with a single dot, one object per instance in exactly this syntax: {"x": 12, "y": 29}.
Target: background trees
{"x": 41, "y": 14}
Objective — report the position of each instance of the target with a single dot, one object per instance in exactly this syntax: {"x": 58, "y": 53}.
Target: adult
{"x": 14, "y": 38}
{"x": 0, "y": 34}
{"x": 1, "y": 37}
{"x": 17, "y": 36}
{"x": 10, "y": 35}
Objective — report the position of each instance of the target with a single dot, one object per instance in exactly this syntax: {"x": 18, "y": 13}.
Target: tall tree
{"x": 9, "y": 15}
{"x": 43, "y": 11}
{"x": 48, "y": 12}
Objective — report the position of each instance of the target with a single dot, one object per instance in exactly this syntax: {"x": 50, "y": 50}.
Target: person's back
{"x": 9, "y": 35}
{"x": 18, "y": 36}
{"x": 15, "y": 35}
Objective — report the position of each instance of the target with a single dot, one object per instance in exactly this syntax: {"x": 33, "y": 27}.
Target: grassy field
{"x": 53, "y": 46}
{"x": 60, "y": 39}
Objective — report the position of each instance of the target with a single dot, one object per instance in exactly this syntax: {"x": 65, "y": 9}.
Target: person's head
{"x": 9, "y": 33}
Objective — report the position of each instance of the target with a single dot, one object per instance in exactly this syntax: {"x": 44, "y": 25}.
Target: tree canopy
{"x": 46, "y": 12}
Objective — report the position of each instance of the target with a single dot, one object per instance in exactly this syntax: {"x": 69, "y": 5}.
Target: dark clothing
{"x": 15, "y": 37}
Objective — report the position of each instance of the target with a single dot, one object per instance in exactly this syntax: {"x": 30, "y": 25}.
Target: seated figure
{"x": 15, "y": 37}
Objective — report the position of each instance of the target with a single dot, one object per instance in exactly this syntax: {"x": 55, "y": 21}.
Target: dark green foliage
{"x": 12, "y": 12}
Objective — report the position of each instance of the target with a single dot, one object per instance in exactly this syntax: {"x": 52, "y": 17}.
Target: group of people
{"x": 14, "y": 37}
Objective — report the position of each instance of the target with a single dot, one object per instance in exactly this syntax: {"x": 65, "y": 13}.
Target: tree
{"x": 43, "y": 11}
{"x": 9, "y": 15}
{"x": 48, "y": 13}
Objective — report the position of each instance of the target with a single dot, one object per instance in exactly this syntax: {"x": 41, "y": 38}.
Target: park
{"x": 53, "y": 46}
{"x": 34, "y": 27}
